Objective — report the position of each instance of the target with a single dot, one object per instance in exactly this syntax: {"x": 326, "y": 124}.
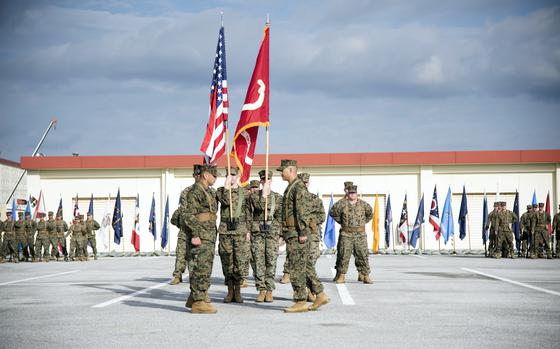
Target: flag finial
{"x": 222, "y": 17}
{"x": 268, "y": 19}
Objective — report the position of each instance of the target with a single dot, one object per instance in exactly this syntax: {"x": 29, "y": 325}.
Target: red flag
{"x": 135, "y": 239}
{"x": 254, "y": 113}
{"x": 213, "y": 144}
{"x": 547, "y": 210}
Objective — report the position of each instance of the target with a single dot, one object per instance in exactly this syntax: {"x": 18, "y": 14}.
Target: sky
{"x": 133, "y": 77}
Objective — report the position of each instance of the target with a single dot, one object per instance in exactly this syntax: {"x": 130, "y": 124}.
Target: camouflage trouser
{"x": 54, "y": 247}
{"x": 10, "y": 248}
{"x": 524, "y": 243}
{"x": 265, "y": 253}
{"x": 233, "y": 254}
{"x": 286, "y": 264}
{"x": 30, "y": 246}
{"x": 249, "y": 261}
{"x": 557, "y": 251}
{"x": 505, "y": 236}
{"x": 76, "y": 247}
{"x": 491, "y": 242}
{"x": 92, "y": 241}
{"x": 541, "y": 242}
{"x": 315, "y": 249}
{"x": 42, "y": 243}
{"x": 202, "y": 262}
{"x": 302, "y": 273}
{"x": 21, "y": 242}
{"x": 355, "y": 244}
{"x": 180, "y": 254}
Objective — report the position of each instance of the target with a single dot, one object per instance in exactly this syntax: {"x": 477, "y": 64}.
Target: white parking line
{"x": 517, "y": 283}
{"x": 418, "y": 256}
{"x": 38, "y": 277}
{"x": 343, "y": 292}
{"x": 128, "y": 296}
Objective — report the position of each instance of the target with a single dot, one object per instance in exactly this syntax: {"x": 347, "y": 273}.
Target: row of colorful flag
{"x": 441, "y": 227}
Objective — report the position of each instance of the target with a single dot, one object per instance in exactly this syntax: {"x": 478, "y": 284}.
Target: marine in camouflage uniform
{"x": 200, "y": 208}
{"x": 234, "y": 230}
{"x": 541, "y": 222}
{"x": 352, "y": 215}
{"x": 9, "y": 244}
{"x": 77, "y": 233}
{"x": 30, "y": 230}
{"x": 21, "y": 237}
{"x": 526, "y": 229}
{"x": 182, "y": 256}
{"x": 265, "y": 230}
{"x": 491, "y": 225}
{"x": 53, "y": 241}
{"x": 297, "y": 234}
{"x": 556, "y": 233}
{"x": 91, "y": 226}
{"x": 42, "y": 242}
{"x": 505, "y": 235}
{"x": 317, "y": 211}
{"x": 61, "y": 227}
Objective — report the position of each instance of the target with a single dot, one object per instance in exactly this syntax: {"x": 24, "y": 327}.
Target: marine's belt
{"x": 206, "y": 216}
{"x": 360, "y": 229}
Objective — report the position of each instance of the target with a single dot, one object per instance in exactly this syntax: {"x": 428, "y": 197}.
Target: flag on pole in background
{"x": 106, "y": 222}
{"x": 28, "y": 207}
{"x": 388, "y": 221}
{"x": 214, "y": 142}
{"x": 165, "y": 227}
{"x": 534, "y": 201}
{"x": 76, "y": 208}
{"x": 135, "y": 239}
{"x": 485, "y": 219}
{"x": 375, "y": 225}
{"x": 516, "y": 226}
{"x": 547, "y": 210}
{"x": 463, "y": 212}
{"x": 447, "y": 227}
{"x": 434, "y": 215}
{"x": 417, "y": 230}
{"x": 14, "y": 210}
{"x": 403, "y": 223}
{"x": 330, "y": 237}
{"x": 152, "y": 219}
{"x": 117, "y": 219}
{"x": 90, "y": 209}
{"x": 40, "y": 207}
{"x": 59, "y": 211}
{"x": 255, "y": 113}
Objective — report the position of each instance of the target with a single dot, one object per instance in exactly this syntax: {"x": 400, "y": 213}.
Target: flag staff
{"x": 469, "y": 231}
{"x": 267, "y": 146}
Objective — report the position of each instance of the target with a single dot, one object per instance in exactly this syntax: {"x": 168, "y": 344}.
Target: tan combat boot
{"x": 261, "y": 296}
{"x": 366, "y": 279}
{"x": 176, "y": 281}
{"x": 320, "y": 299}
{"x": 298, "y": 307}
{"x": 341, "y": 279}
{"x": 237, "y": 293}
{"x": 201, "y": 307}
{"x": 190, "y": 301}
{"x": 244, "y": 283}
{"x": 360, "y": 278}
{"x": 229, "y": 296}
{"x": 268, "y": 298}
{"x": 285, "y": 278}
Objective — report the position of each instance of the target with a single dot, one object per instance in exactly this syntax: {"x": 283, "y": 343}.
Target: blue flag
{"x": 388, "y": 221}
{"x": 485, "y": 219}
{"x": 330, "y": 237}
{"x": 165, "y": 227}
{"x": 516, "y": 225}
{"x": 28, "y": 207}
{"x": 447, "y": 227}
{"x": 152, "y": 219}
{"x": 90, "y": 209}
{"x": 14, "y": 210}
{"x": 463, "y": 212}
{"x": 534, "y": 202}
{"x": 417, "y": 230}
{"x": 117, "y": 219}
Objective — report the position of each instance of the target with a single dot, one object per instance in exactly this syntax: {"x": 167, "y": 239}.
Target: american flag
{"x": 213, "y": 144}
{"x": 76, "y": 208}
{"x": 403, "y": 223}
{"x": 434, "y": 215}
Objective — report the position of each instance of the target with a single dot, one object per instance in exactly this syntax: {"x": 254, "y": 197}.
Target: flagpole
{"x": 392, "y": 235}
{"x": 267, "y": 145}
{"x": 469, "y": 231}
{"x": 454, "y": 241}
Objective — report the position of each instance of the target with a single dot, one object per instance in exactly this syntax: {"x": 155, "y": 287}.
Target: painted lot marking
{"x": 418, "y": 256}
{"x": 128, "y": 296}
{"x": 343, "y": 292}
{"x": 38, "y": 277}
{"x": 517, "y": 283}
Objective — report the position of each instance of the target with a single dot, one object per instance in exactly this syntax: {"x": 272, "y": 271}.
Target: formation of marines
{"x": 253, "y": 221}
{"x": 535, "y": 240}
{"x": 44, "y": 240}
